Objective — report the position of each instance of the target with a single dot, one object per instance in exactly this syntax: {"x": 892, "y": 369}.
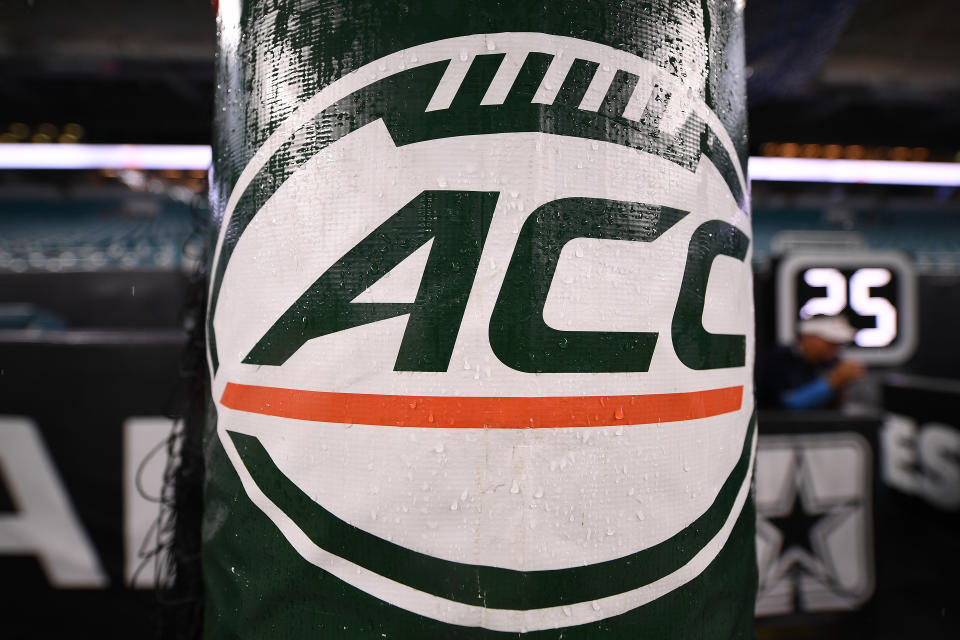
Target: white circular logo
{"x": 489, "y": 331}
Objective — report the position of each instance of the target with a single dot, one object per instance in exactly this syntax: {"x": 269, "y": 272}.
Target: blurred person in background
{"x": 809, "y": 374}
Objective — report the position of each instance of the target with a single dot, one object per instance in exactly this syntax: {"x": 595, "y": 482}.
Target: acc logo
{"x": 480, "y": 319}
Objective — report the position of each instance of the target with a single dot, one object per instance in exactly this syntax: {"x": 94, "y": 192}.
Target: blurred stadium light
{"x": 934, "y": 174}
{"x": 187, "y": 157}
{"x": 104, "y": 156}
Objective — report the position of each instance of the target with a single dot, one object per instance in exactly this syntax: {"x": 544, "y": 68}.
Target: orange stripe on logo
{"x": 454, "y": 412}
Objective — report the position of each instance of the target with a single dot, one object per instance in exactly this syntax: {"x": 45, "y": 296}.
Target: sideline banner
{"x": 816, "y": 506}
{"x": 83, "y": 450}
{"x": 480, "y": 329}
{"x": 919, "y": 521}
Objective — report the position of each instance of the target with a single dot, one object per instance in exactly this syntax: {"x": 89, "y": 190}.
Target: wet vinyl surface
{"x": 480, "y": 332}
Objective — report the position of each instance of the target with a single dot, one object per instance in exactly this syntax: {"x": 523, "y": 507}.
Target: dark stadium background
{"x": 96, "y": 269}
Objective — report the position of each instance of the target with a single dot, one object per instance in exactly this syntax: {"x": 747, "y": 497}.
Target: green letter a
{"x": 457, "y": 221}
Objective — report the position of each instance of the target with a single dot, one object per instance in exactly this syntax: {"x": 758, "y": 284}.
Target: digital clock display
{"x": 874, "y": 290}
